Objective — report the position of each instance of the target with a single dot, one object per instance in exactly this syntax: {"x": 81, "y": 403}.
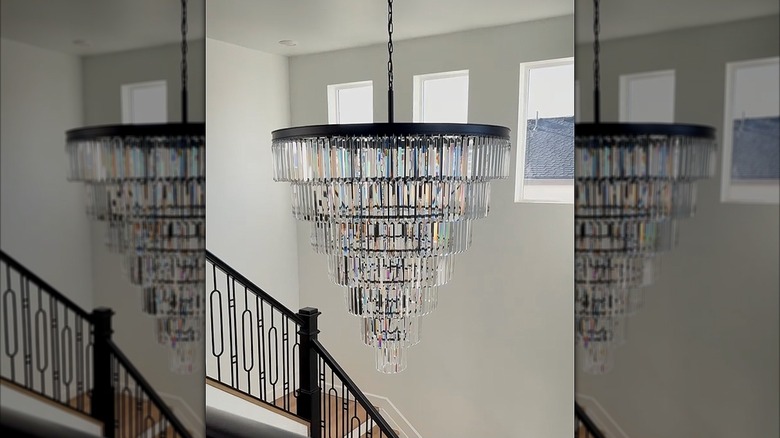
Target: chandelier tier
{"x": 634, "y": 182}
{"x": 390, "y": 204}
{"x": 147, "y": 183}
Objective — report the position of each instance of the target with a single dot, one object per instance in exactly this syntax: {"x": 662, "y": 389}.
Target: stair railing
{"x": 55, "y": 349}
{"x": 272, "y": 354}
{"x": 584, "y": 427}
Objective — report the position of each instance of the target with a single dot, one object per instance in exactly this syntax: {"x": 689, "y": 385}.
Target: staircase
{"x": 260, "y": 351}
{"x": 56, "y": 353}
{"x": 583, "y": 425}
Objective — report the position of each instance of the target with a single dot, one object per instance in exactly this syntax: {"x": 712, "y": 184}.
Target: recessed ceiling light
{"x": 289, "y": 43}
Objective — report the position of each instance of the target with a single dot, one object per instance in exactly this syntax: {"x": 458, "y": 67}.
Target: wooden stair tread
{"x": 70, "y": 407}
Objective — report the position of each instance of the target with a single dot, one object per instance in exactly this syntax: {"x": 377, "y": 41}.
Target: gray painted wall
{"x": 44, "y": 224}
{"x": 133, "y": 330}
{"x": 496, "y": 358}
{"x": 104, "y": 75}
{"x": 702, "y": 356}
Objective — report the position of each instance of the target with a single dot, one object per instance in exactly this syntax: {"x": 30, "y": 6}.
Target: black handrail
{"x": 165, "y": 411}
{"x": 227, "y": 269}
{"x": 353, "y": 388}
{"x": 590, "y": 426}
{"x": 44, "y": 285}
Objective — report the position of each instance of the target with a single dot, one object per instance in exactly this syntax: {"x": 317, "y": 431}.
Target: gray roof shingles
{"x": 549, "y": 152}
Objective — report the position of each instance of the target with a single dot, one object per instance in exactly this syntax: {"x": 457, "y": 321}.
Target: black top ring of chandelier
{"x": 392, "y": 129}
{"x": 143, "y": 130}
{"x": 639, "y": 129}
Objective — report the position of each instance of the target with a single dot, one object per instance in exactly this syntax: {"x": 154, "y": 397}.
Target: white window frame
{"x": 546, "y": 191}
{"x": 333, "y": 98}
{"x": 126, "y": 98}
{"x": 626, "y": 97}
{"x": 418, "y": 103}
{"x": 577, "y": 107}
{"x": 744, "y": 191}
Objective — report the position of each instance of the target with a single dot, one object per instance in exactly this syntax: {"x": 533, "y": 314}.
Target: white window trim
{"x": 744, "y": 191}
{"x": 333, "y": 98}
{"x": 126, "y": 98}
{"x": 577, "y": 108}
{"x": 543, "y": 191}
{"x": 625, "y": 94}
{"x": 418, "y": 103}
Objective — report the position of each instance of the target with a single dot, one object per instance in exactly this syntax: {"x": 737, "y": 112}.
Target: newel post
{"x": 102, "y": 403}
{"x": 309, "y": 392}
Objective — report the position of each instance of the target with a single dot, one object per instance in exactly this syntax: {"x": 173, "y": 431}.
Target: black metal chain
{"x": 390, "y": 44}
{"x": 596, "y": 66}
{"x": 184, "y": 61}
{"x": 390, "y": 61}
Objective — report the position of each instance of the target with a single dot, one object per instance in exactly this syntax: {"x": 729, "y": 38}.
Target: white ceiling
{"x": 105, "y": 25}
{"x": 623, "y": 18}
{"x": 323, "y": 25}
{"x": 320, "y": 26}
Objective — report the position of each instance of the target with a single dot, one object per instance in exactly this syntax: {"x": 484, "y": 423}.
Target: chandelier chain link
{"x": 596, "y": 66}
{"x": 184, "y": 58}
{"x": 390, "y": 44}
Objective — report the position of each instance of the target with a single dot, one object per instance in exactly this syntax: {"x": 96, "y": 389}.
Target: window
{"x": 351, "y": 103}
{"x": 145, "y": 102}
{"x": 545, "y": 136}
{"x": 441, "y": 97}
{"x": 647, "y": 97}
{"x": 751, "y": 133}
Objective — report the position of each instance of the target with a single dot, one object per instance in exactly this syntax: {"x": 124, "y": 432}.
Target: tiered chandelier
{"x": 390, "y": 205}
{"x": 634, "y": 182}
{"x": 147, "y": 183}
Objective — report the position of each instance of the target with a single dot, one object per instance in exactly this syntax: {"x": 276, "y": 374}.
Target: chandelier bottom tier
{"x": 634, "y": 184}
{"x": 147, "y": 183}
{"x": 390, "y": 204}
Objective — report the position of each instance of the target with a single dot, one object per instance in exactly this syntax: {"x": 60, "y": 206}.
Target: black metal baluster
{"x": 9, "y": 302}
{"x": 124, "y": 422}
{"x": 333, "y": 404}
{"x": 354, "y": 420}
{"x": 261, "y": 340}
{"x": 89, "y": 357}
{"x": 115, "y": 392}
{"x": 296, "y": 363}
{"x": 26, "y": 331}
{"x": 285, "y": 362}
{"x": 149, "y": 421}
{"x": 55, "y": 366}
{"x": 246, "y": 323}
{"x": 274, "y": 375}
{"x": 217, "y": 353}
{"x": 80, "y": 352}
{"x": 66, "y": 354}
{"x": 41, "y": 356}
{"x": 138, "y": 421}
{"x": 232, "y": 332}
{"x": 325, "y": 411}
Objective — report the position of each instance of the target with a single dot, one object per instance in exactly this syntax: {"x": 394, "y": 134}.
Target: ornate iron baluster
{"x": 26, "y": 335}
{"x": 246, "y": 323}
{"x": 232, "y": 331}
{"x": 214, "y": 351}
{"x": 9, "y": 302}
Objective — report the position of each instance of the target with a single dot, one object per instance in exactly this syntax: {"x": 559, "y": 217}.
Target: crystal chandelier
{"x": 147, "y": 183}
{"x": 634, "y": 183}
{"x": 390, "y": 204}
